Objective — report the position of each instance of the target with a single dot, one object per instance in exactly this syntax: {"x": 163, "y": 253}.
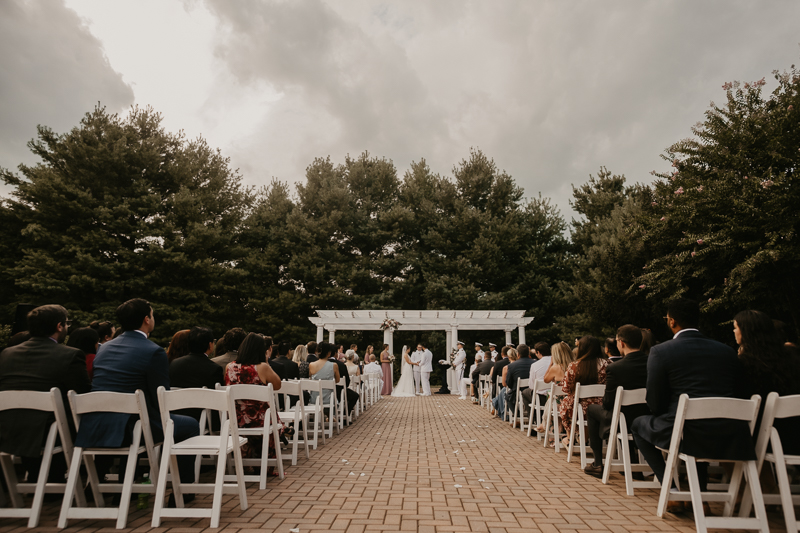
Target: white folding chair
{"x": 141, "y": 442}
{"x": 551, "y": 415}
{"x": 205, "y": 429}
{"x": 264, "y": 394}
{"x": 536, "y": 409}
{"x": 519, "y": 410}
{"x": 314, "y": 411}
{"x": 701, "y": 409}
{"x": 228, "y": 441}
{"x": 582, "y": 392}
{"x": 296, "y": 415}
{"x": 618, "y": 443}
{"x": 329, "y": 384}
{"x": 342, "y": 411}
{"x": 355, "y": 385}
{"x": 499, "y": 392}
{"x": 37, "y": 401}
{"x": 777, "y": 407}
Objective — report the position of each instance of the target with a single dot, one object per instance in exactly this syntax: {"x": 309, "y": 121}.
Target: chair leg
{"x": 69, "y": 491}
{"x": 11, "y": 480}
{"x": 696, "y": 495}
{"x": 733, "y": 488}
{"x": 94, "y": 481}
{"x": 785, "y": 491}
{"x": 276, "y": 437}
{"x": 582, "y": 438}
{"x": 216, "y": 503}
{"x": 572, "y": 432}
{"x": 161, "y": 485}
{"x": 130, "y": 473}
{"x": 612, "y": 444}
{"x": 44, "y": 471}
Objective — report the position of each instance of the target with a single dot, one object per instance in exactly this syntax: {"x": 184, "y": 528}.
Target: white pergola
{"x": 449, "y": 321}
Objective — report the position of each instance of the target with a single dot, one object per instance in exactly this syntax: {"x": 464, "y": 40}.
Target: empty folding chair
{"x": 777, "y": 407}
{"x": 619, "y": 443}
{"x": 141, "y": 443}
{"x": 296, "y": 416}
{"x": 536, "y": 409}
{"x": 578, "y": 421}
{"x": 703, "y": 409}
{"x": 355, "y": 385}
{"x": 50, "y": 402}
{"x": 227, "y": 442}
{"x": 260, "y": 393}
{"x": 342, "y": 412}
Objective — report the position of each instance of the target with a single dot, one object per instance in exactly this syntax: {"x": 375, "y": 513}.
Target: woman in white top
{"x": 350, "y": 362}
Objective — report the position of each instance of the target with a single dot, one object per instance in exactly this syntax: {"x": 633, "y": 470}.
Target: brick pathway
{"x": 401, "y": 475}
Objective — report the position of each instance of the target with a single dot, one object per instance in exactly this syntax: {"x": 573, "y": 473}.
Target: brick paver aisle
{"x": 399, "y": 468}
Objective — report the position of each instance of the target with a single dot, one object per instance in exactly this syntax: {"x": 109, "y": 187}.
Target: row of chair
{"x": 617, "y": 455}
{"x": 223, "y": 446}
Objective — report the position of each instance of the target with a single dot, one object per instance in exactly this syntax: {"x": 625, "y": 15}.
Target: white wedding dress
{"x": 405, "y": 386}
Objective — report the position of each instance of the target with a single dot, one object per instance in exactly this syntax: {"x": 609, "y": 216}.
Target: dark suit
{"x": 285, "y": 368}
{"x": 630, "y": 373}
{"x": 521, "y": 368}
{"x": 497, "y": 372}
{"x": 195, "y": 370}
{"x": 38, "y": 364}
{"x": 126, "y": 364}
{"x": 695, "y": 365}
{"x": 482, "y": 369}
{"x": 352, "y": 396}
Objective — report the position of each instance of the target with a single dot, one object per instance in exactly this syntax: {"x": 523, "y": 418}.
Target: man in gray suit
{"x": 692, "y": 364}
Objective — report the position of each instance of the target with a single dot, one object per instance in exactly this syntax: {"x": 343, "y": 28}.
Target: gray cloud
{"x": 52, "y": 71}
{"x": 550, "y": 90}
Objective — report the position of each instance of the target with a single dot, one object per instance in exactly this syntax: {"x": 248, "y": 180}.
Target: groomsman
{"x": 493, "y": 351}
{"x": 426, "y": 368}
{"x": 416, "y": 359}
{"x": 459, "y": 363}
{"x": 479, "y": 352}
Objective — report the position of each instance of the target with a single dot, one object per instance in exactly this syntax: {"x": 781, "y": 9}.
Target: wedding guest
{"x": 344, "y": 382}
{"x": 783, "y": 334}
{"x": 484, "y": 368}
{"x": 770, "y": 365}
{"x": 370, "y": 351}
{"x": 219, "y": 348}
{"x": 611, "y": 351}
{"x": 179, "y": 345}
{"x": 630, "y": 373}
{"x": 231, "y": 341}
{"x": 312, "y": 349}
{"x": 196, "y": 370}
{"x": 562, "y": 357}
{"x": 86, "y": 340}
{"x": 539, "y": 368}
{"x": 301, "y": 358}
{"x": 324, "y": 370}
{"x": 499, "y": 365}
{"x": 352, "y": 367}
{"x": 510, "y": 355}
{"x": 340, "y": 353}
{"x": 692, "y": 364}
{"x": 251, "y": 367}
{"x": 588, "y": 369}
{"x": 282, "y": 365}
{"x": 386, "y": 366}
{"x": 519, "y": 369}
{"x": 647, "y": 341}
{"x": 105, "y": 330}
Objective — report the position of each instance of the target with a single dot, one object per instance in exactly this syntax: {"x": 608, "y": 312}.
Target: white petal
{"x": 295, "y": 530}
{"x": 457, "y": 486}
{"x": 481, "y": 480}
{"x": 463, "y": 468}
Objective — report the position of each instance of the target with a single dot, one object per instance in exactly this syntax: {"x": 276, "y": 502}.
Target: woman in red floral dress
{"x": 588, "y": 369}
{"x": 251, "y": 367}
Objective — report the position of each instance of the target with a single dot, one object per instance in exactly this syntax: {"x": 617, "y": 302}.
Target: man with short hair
{"x": 630, "y": 373}
{"x": 39, "y": 364}
{"x": 416, "y": 359}
{"x": 497, "y": 370}
{"x": 493, "y": 351}
{"x": 196, "y": 370}
{"x": 282, "y": 365}
{"x": 692, "y": 364}
{"x": 231, "y": 341}
{"x": 479, "y": 352}
{"x": 519, "y": 369}
{"x": 538, "y": 369}
{"x": 313, "y": 350}
{"x": 126, "y": 364}
{"x": 373, "y": 367}
{"x": 484, "y": 368}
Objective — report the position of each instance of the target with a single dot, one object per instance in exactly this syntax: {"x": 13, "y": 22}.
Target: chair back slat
{"x": 729, "y": 408}
{"x": 216, "y": 400}
{"x": 251, "y": 391}
{"x": 522, "y": 382}
{"x": 633, "y": 397}
{"x": 787, "y": 406}
{"x": 103, "y": 402}
{"x": 589, "y": 391}
{"x": 26, "y": 399}
{"x": 290, "y": 388}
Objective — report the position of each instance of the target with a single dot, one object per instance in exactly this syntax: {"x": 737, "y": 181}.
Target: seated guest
{"x": 344, "y": 381}
{"x": 484, "y": 368}
{"x": 127, "y": 363}
{"x": 538, "y": 369}
{"x": 497, "y": 370}
{"x": 300, "y": 357}
{"x": 611, "y": 351}
{"x": 588, "y": 369}
{"x": 468, "y": 376}
{"x": 313, "y": 351}
{"x": 39, "y": 364}
{"x": 630, "y": 373}
{"x": 647, "y": 341}
{"x": 178, "y": 346}
{"x": 219, "y": 349}
{"x": 196, "y": 370}
{"x": 350, "y": 361}
{"x": 770, "y": 365}
{"x": 231, "y": 341}
{"x": 251, "y": 368}
{"x": 562, "y": 357}
{"x": 373, "y": 367}
{"x": 105, "y": 330}
{"x": 519, "y": 369}
{"x": 499, "y": 402}
{"x": 324, "y": 369}
{"x": 86, "y": 340}
{"x": 692, "y": 364}
{"x": 282, "y": 365}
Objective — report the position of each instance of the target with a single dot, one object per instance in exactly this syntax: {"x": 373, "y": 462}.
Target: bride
{"x": 405, "y": 387}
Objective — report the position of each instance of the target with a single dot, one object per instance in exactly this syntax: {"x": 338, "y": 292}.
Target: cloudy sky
{"x": 551, "y": 90}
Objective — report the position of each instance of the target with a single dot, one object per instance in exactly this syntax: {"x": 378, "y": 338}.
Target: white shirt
{"x": 539, "y": 369}
{"x": 461, "y": 356}
{"x": 142, "y": 332}
{"x": 373, "y": 368}
{"x": 479, "y": 352}
{"x": 493, "y": 353}
{"x": 425, "y": 363}
{"x": 416, "y": 357}
{"x": 683, "y": 331}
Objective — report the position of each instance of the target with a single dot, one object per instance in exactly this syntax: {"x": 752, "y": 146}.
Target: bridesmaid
{"x": 386, "y": 366}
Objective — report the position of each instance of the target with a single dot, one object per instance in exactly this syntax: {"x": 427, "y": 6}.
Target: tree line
{"x": 120, "y": 208}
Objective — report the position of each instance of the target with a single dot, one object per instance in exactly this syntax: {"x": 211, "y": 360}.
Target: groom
{"x": 416, "y": 359}
{"x": 426, "y": 368}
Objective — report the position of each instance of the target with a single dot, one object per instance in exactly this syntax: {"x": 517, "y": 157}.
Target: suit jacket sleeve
{"x": 217, "y": 376}
{"x": 77, "y": 377}
{"x": 158, "y": 372}
{"x": 658, "y": 390}
{"x": 611, "y": 388}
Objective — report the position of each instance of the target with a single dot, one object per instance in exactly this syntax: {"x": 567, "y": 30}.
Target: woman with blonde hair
{"x": 301, "y": 358}
{"x": 561, "y": 357}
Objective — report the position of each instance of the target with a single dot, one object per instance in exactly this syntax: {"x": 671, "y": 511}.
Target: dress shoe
{"x": 675, "y": 507}
{"x": 592, "y": 470}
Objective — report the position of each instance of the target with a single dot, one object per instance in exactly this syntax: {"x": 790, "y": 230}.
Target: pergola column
{"x": 448, "y": 342}
{"x": 522, "y": 335}
{"x": 320, "y": 333}
{"x": 388, "y": 338}
{"x": 331, "y": 335}
{"x": 508, "y": 336}
{"x": 453, "y": 337}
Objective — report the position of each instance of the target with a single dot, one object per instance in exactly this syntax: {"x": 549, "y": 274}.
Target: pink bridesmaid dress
{"x": 388, "y": 379}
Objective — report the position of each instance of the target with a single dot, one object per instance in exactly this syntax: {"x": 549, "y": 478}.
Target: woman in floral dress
{"x": 251, "y": 367}
{"x": 588, "y": 369}
{"x": 562, "y": 356}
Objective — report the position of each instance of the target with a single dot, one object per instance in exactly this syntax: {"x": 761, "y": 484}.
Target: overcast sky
{"x": 551, "y": 91}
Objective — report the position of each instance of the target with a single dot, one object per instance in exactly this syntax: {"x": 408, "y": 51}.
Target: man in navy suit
{"x": 125, "y": 364}
{"x": 692, "y": 364}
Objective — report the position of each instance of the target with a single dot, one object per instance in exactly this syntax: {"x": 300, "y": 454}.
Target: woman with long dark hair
{"x": 588, "y": 369}
{"x": 768, "y": 366}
